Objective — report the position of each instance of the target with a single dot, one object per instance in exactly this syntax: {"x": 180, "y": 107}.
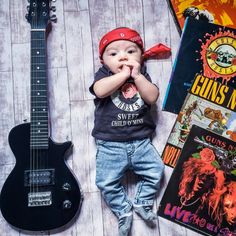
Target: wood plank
{"x": 79, "y": 54}
{"x": 5, "y": 35}
{"x": 56, "y": 43}
{"x": 7, "y": 117}
{"x": 100, "y": 25}
{"x": 5, "y": 49}
{"x": 4, "y": 14}
{"x": 170, "y": 228}
{"x": 123, "y": 18}
{"x": 164, "y": 120}
{"x": 140, "y": 228}
{"x": 90, "y": 219}
{"x": 84, "y": 153}
{"x": 75, "y": 5}
{"x": 110, "y": 222}
{"x": 156, "y": 22}
{"x": 59, "y": 105}
{"x": 20, "y": 28}
{"x": 21, "y": 78}
{"x": 174, "y": 36}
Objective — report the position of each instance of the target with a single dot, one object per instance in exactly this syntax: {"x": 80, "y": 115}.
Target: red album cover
{"x": 201, "y": 193}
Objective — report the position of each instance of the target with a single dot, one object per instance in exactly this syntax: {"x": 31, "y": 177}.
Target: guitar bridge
{"x": 42, "y": 177}
{"x": 37, "y": 199}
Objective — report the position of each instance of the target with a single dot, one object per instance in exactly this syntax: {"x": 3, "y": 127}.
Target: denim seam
{"x": 139, "y": 190}
{"x": 130, "y": 154}
{"x": 144, "y": 202}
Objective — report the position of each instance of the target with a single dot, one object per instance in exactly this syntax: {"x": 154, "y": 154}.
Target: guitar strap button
{"x": 67, "y": 204}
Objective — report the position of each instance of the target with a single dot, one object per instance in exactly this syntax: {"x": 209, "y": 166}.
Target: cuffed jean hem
{"x": 143, "y": 202}
{"x": 119, "y": 214}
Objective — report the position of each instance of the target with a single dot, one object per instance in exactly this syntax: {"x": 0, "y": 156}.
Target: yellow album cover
{"x": 221, "y": 12}
{"x": 209, "y": 105}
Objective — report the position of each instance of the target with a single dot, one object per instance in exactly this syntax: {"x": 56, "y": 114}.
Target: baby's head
{"x": 120, "y": 45}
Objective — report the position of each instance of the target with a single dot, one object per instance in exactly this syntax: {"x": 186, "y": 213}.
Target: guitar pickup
{"x": 41, "y": 177}
{"x": 37, "y": 199}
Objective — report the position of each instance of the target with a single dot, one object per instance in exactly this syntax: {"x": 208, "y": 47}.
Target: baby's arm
{"x": 108, "y": 85}
{"x": 148, "y": 91}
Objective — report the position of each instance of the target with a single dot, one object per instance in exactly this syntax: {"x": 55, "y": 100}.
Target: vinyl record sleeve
{"x": 210, "y": 105}
{"x": 201, "y": 193}
{"x": 217, "y": 11}
{"x": 206, "y": 49}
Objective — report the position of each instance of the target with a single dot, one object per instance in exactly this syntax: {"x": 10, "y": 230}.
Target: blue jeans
{"x": 113, "y": 159}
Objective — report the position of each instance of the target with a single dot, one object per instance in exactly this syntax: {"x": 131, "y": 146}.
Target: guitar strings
{"x": 31, "y": 177}
{"x": 34, "y": 138}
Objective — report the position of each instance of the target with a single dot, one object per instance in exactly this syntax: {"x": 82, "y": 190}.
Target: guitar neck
{"x": 39, "y": 92}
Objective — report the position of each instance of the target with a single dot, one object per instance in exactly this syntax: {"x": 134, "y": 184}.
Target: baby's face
{"x": 119, "y": 52}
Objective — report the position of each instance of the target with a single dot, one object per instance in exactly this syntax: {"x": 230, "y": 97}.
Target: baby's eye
{"x": 131, "y": 51}
{"x": 113, "y": 54}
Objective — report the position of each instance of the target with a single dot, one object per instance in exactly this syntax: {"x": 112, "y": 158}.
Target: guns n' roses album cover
{"x": 214, "y": 11}
{"x": 210, "y": 105}
{"x": 206, "y": 49}
{"x": 201, "y": 193}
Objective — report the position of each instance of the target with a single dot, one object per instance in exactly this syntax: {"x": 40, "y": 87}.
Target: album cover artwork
{"x": 214, "y": 11}
{"x": 206, "y": 49}
{"x": 210, "y": 105}
{"x": 201, "y": 193}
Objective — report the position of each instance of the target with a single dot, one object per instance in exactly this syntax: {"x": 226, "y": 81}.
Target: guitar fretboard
{"x": 39, "y": 101}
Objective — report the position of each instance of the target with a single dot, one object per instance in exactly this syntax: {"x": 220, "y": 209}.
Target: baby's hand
{"x": 126, "y": 71}
{"x": 134, "y": 67}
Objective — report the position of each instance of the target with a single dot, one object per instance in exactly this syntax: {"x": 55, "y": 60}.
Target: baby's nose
{"x": 123, "y": 56}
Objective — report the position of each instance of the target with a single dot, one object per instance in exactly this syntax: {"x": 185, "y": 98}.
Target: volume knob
{"x": 67, "y": 204}
{"x": 66, "y": 187}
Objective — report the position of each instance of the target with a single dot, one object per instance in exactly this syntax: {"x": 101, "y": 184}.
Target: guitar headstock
{"x": 39, "y": 13}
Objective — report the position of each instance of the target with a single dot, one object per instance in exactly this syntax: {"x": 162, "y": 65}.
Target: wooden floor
{"x": 72, "y": 61}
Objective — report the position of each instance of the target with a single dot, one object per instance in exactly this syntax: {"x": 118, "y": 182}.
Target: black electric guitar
{"x": 41, "y": 193}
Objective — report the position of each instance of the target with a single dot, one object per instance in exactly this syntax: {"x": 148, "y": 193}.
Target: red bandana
{"x": 124, "y": 33}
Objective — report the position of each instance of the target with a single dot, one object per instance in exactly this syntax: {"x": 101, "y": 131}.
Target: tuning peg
{"x": 53, "y": 8}
{"x": 28, "y": 7}
{"x": 53, "y": 18}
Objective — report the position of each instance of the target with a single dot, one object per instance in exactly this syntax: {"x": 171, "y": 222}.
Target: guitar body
{"x": 39, "y": 199}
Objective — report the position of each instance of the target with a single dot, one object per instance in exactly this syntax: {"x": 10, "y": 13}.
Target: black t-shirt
{"x": 124, "y": 115}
